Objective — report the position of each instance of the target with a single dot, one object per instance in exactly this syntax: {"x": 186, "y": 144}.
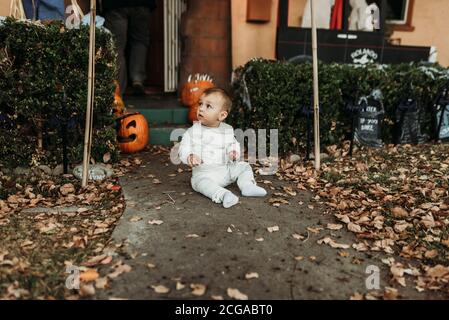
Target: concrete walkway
{"x": 199, "y": 242}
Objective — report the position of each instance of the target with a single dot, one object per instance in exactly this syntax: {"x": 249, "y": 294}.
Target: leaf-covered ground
{"x": 49, "y": 223}
{"x": 395, "y": 200}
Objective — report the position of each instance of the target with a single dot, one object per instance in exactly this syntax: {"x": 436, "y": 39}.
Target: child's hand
{"x": 193, "y": 160}
{"x": 233, "y": 155}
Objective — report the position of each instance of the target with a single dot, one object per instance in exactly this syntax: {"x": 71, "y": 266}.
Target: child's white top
{"x": 212, "y": 145}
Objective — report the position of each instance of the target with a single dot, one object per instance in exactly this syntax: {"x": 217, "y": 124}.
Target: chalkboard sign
{"x": 368, "y": 130}
{"x": 442, "y": 114}
{"x": 408, "y": 127}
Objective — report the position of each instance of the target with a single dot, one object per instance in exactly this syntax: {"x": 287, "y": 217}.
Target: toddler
{"x": 210, "y": 148}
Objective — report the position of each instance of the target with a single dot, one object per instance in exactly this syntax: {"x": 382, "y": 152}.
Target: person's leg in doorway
{"x": 139, "y": 41}
{"x": 117, "y": 23}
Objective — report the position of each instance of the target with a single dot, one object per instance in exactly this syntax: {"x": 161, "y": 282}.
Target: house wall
{"x": 4, "y": 7}
{"x": 250, "y": 40}
{"x": 430, "y": 22}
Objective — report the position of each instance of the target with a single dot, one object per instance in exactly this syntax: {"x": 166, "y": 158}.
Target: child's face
{"x": 210, "y": 110}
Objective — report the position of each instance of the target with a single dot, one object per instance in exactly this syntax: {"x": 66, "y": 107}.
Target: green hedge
{"x": 38, "y": 63}
{"x": 278, "y": 91}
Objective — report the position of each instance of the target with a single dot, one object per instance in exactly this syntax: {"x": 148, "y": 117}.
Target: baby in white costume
{"x": 210, "y": 147}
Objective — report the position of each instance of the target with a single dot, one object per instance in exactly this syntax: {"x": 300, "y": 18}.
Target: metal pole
{"x": 316, "y": 100}
{"x": 90, "y": 95}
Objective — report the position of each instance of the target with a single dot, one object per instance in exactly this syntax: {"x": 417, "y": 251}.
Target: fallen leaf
{"x": 333, "y": 244}
{"x": 316, "y": 230}
{"x": 119, "y": 269}
{"x": 273, "y": 229}
{"x": 390, "y": 294}
{"x": 67, "y": 189}
{"x": 155, "y": 222}
{"x": 332, "y": 226}
{"x": 160, "y": 289}
{"x": 87, "y": 290}
{"x": 354, "y": 227}
{"x": 298, "y": 236}
{"x": 101, "y": 283}
{"x": 217, "y": 297}
{"x": 251, "y": 275}
{"x": 399, "y": 212}
{"x": 179, "y": 286}
{"x": 135, "y": 219}
{"x": 192, "y": 236}
{"x": 198, "y": 289}
{"x": 236, "y": 294}
{"x": 259, "y": 239}
{"x": 89, "y": 275}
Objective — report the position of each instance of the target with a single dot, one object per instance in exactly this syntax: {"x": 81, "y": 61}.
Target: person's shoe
{"x": 138, "y": 87}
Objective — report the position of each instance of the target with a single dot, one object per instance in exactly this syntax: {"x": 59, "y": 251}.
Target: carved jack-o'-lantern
{"x": 194, "y": 88}
{"x": 132, "y": 132}
{"x": 119, "y": 106}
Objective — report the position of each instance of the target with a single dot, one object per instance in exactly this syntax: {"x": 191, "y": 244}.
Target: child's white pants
{"x": 210, "y": 180}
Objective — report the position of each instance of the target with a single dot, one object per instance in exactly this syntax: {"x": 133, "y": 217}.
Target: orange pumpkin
{"x": 133, "y": 132}
{"x": 193, "y": 113}
{"x": 193, "y": 89}
{"x": 118, "y": 107}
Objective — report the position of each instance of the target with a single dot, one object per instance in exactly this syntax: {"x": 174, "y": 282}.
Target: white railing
{"x": 173, "y": 10}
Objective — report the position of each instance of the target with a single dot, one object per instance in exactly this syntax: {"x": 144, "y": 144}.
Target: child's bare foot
{"x": 230, "y": 200}
{"x": 253, "y": 190}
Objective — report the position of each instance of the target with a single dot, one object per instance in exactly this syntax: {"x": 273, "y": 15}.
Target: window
{"x": 399, "y": 14}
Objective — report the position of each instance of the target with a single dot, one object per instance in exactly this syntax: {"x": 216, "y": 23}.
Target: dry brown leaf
{"x": 160, "y": 289}
{"x": 315, "y": 230}
{"x": 87, "y": 290}
{"x": 236, "y": 294}
{"x": 390, "y": 294}
{"x": 332, "y": 226}
{"x": 89, "y": 275}
{"x": 67, "y": 189}
{"x": 217, "y": 297}
{"x": 155, "y": 222}
{"x": 399, "y": 212}
{"x": 332, "y": 243}
{"x": 354, "y": 227}
{"x": 198, "y": 289}
{"x": 179, "y": 286}
{"x": 101, "y": 283}
{"x": 438, "y": 271}
{"x": 135, "y": 219}
{"x": 251, "y": 275}
{"x": 192, "y": 236}
{"x": 298, "y": 236}
{"x": 119, "y": 269}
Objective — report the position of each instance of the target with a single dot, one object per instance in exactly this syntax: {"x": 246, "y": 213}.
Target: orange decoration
{"x": 133, "y": 132}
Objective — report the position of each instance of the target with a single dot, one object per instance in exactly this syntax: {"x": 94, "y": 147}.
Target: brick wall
{"x": 206, "y": 34}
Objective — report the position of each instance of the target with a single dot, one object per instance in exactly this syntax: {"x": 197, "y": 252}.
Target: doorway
{"x": 164, "y": 54}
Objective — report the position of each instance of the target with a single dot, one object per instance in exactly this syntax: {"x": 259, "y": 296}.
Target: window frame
{"x": 401, "y": 25}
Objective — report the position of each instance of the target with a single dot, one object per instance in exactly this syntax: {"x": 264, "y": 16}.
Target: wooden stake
{"x": 90, "y": 95}
{"x": 316, "y": 99}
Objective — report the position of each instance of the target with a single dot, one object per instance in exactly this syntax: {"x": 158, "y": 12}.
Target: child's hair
{"x": 227, "y": 102}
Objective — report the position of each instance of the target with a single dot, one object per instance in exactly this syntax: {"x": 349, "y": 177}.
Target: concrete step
{"x": 160, "y": 117}
{"x": 160, "y": 135}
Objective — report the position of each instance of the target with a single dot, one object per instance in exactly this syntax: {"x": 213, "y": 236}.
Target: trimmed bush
{"x": 43, "y": 84}
{"x": 273, "y": 94}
